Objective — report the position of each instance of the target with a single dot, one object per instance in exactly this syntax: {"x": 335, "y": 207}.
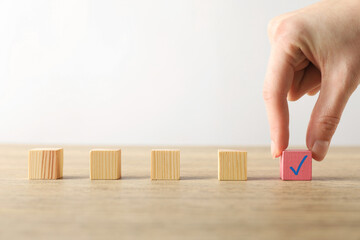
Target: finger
{"x": 277, "y": 84}
{"x": 304, "y": 81}
{"x": 325, "y": 118}
{"x": 314, "y": 91}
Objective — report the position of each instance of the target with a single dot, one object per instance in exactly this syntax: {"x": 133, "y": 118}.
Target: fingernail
{"x": 320, "y": 149}
{"x": 273, "y": 149}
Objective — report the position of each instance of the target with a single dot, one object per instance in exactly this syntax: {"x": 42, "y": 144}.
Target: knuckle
{"x": 272, "y": 94}
{"x": 268, "y": 94}
{"x": 284, "y": 29}
{"x": 272, "y": 25}
{"x": 328, "y": 125}
{"x": 288, "y": 33}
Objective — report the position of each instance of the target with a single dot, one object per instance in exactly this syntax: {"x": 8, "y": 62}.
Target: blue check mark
{"x": 298, "y": 169}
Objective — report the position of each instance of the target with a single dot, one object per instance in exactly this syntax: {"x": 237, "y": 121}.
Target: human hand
{"x": 313, "y": 49}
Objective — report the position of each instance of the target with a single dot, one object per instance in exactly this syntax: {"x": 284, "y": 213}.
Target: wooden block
{"x": 165, "y": 164}
{"x": 296, "y": 165}
{"x": 46, "y": 163}
{"x": 105, "y": 164}
{"x": 232, "y": 165}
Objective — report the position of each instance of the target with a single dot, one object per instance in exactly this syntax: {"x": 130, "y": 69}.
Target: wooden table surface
{"x": 196, "y": 207}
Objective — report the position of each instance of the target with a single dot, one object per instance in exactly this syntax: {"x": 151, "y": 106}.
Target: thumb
{"x": 326, "y": 116}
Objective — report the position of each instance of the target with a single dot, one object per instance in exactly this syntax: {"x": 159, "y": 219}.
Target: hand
{"x": 313, "y": 49}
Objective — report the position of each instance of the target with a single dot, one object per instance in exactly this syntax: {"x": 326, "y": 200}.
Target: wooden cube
{"x": 105, "y": 164}
{"x": 165, "y": 164}
{"x": 232, "y": 165}
{"x": 296, "y": 165}
{"x": 46, "y": 163}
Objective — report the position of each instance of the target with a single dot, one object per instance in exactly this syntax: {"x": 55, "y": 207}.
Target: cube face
{"x": 165, "y": 164}
{"x": 105, "y": 164}
{"x": 296, "y": 165}
{"x": 46, "y": 163}
{"x": 232, "y": 165}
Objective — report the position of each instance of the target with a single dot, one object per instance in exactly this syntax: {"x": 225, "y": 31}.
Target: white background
{"x": 168, "y": 72}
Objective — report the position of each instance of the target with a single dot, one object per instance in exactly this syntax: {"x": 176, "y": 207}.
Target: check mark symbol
{"x": 298, "y": 169}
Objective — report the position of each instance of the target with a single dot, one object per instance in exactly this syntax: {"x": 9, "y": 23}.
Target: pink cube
{"x": 296, "y": 165}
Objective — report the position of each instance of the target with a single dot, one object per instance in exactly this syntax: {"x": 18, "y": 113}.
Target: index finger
{"x": 278, "y": 80}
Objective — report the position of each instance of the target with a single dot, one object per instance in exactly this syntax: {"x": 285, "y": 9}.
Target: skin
{"x": 315, "y": 49}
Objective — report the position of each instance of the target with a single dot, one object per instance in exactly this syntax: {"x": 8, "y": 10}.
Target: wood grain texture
{"x": 105, "y": 164}
{"x": 232, "y": 165}
{"x": 293, "y": 168}
{"x": 165, "y": 164}
{"x": 197, "y": 207}
{"x": 45, "y": 163}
